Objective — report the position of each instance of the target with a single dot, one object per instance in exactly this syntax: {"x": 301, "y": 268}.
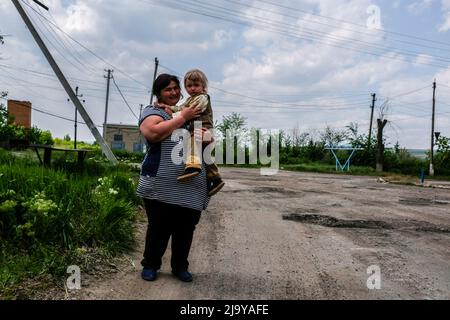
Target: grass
{"x": 323, "y": 168}
{"x": 354, "y": 170}
{"x": 50, "y": 218}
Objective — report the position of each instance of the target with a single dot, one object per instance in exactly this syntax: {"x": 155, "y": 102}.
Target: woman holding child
{"x": 173, "y": 207}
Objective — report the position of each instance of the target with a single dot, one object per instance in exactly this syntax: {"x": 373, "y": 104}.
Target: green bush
{"x": 46, "y": 216}
{"x": 123, "y": 155}
{"x": 442, "y": 157}
{"x": 403, "y": 162}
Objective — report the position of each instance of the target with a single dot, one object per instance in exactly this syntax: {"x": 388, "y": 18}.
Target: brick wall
{"x": 21, "y": 111}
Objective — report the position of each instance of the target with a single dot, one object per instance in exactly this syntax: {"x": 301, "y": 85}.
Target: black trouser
{"x": 165, "y": 220}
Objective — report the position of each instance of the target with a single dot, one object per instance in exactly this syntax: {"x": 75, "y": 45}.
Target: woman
{"x": 173, "y": 208}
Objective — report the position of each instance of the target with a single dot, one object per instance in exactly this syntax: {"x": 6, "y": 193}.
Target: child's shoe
{"x": 215, "y": 186}
{"x": 189, "y": 173}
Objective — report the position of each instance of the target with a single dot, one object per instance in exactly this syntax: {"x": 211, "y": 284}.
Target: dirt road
{"x": 304, "y": 236}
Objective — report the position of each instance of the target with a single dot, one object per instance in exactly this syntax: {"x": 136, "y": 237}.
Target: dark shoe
{"x": 189, "y": 173}
{"x": 149, "y": 274}
{"x": 215, "y": 187}
{"x": 184, "y": 276}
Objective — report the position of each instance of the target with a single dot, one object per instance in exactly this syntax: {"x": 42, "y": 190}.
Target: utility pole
{"x": 107, "y": 101}
{"x": 371, "y": 117}
{"x": 154, "y": 78}
{"x": 140, "y": 134}
{"x": 87, "y": 119}
{"x": 76, "y": 118}
{"x": 432, "y": 130}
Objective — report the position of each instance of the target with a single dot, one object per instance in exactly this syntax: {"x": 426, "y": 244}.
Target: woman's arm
{"x": 156, "y": 129}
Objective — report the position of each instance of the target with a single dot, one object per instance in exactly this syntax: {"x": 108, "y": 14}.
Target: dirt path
{"x": 303, "y": 236}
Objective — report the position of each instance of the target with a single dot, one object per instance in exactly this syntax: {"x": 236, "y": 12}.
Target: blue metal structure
{"x": 347, "y": 163}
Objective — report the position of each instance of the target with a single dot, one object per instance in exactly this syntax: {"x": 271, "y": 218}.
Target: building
{"x": 21, "y": 112}
{"x": 124, "y": 137}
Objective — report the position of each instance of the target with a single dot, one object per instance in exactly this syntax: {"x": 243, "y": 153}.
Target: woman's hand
{"x": 203, "y": 135}
{"x": 191, "y": 112}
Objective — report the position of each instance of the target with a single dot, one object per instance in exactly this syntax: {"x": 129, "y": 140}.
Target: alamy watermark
{"x": 374, "y": 280}
{"x": 261, "y": 146}
{"x": 374, "y": 20}
{"x": 74, "y": 280}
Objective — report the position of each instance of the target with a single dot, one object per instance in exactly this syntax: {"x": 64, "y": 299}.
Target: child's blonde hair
{"x": 197, "y": 75}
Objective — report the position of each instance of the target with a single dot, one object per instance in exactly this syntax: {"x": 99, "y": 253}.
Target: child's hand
{"x": 203, "y": 135}
{"x": 190, "y": 113}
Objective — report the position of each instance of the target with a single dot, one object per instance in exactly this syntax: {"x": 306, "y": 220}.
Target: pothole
{"x": 332, "y": 222}
{"x": 275, "y": 190}
{"x": 422, "y": 201}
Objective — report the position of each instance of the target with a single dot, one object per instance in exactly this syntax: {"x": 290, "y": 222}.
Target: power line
{"x": 353, "y": 23}
{"x": 282, "y": 31}
{"x": 293, "y": 104}
{"x": 363, "y": 29}
{"x": 89, "y": 50}
{"x": 408, "y": 93}
{"x": 237, "y": 94}
{"x": 86, "y": 61}
{"x": 63, "y": 56}
{"x": 58, "y": 40}
{"x": 137, "y": 93}
{"x": 125, "y": 100}
{"x": 47, "y": 112}
{"x": 313, "y": 31}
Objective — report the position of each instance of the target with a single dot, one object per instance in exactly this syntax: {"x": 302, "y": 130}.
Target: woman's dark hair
{"x": 162, "y": 81}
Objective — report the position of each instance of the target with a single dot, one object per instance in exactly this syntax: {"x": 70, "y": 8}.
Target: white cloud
{"x": 445, "y": 26}
{"x": 81, "y": 18}
{"x": 418, "y": 7}
{"x": 423, "y": 59}
{"x": 219, "y": 39}
{"x": 396, "y": 4}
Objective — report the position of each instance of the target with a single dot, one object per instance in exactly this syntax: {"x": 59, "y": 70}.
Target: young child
{"x": 196, "y": 85}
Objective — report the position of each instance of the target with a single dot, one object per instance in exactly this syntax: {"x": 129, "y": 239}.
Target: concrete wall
{"x": 129, "y": 134}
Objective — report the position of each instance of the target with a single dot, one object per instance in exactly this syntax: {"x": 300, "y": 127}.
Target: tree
{"x": 299, "y": 139}
{"x": 442, "y": 159}
{"x": 6, "y": 129}
{"x": 9, "y": 130}
{"x": 332, "y": 137}
{"x": 1, "y": 40}
{"x": 381, "y": 121}
{"x": 235, "y": 124}
{"x": 67, "y": 137}
{"x": 3, "y": 115}
{"x": 232, "y": 127}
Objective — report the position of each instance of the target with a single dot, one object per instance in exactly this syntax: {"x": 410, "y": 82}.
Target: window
{"x": 118, "y": 145}
{"x": 118, "y": 137}
{"x": 137, "y": 147}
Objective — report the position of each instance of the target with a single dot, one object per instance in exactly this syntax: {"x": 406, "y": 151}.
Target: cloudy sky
{"x": 304, "y": 64}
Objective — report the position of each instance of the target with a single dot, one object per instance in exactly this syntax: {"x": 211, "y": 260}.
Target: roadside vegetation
{"x": 53, "y": 218}
{"x": 309, "y": 151}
